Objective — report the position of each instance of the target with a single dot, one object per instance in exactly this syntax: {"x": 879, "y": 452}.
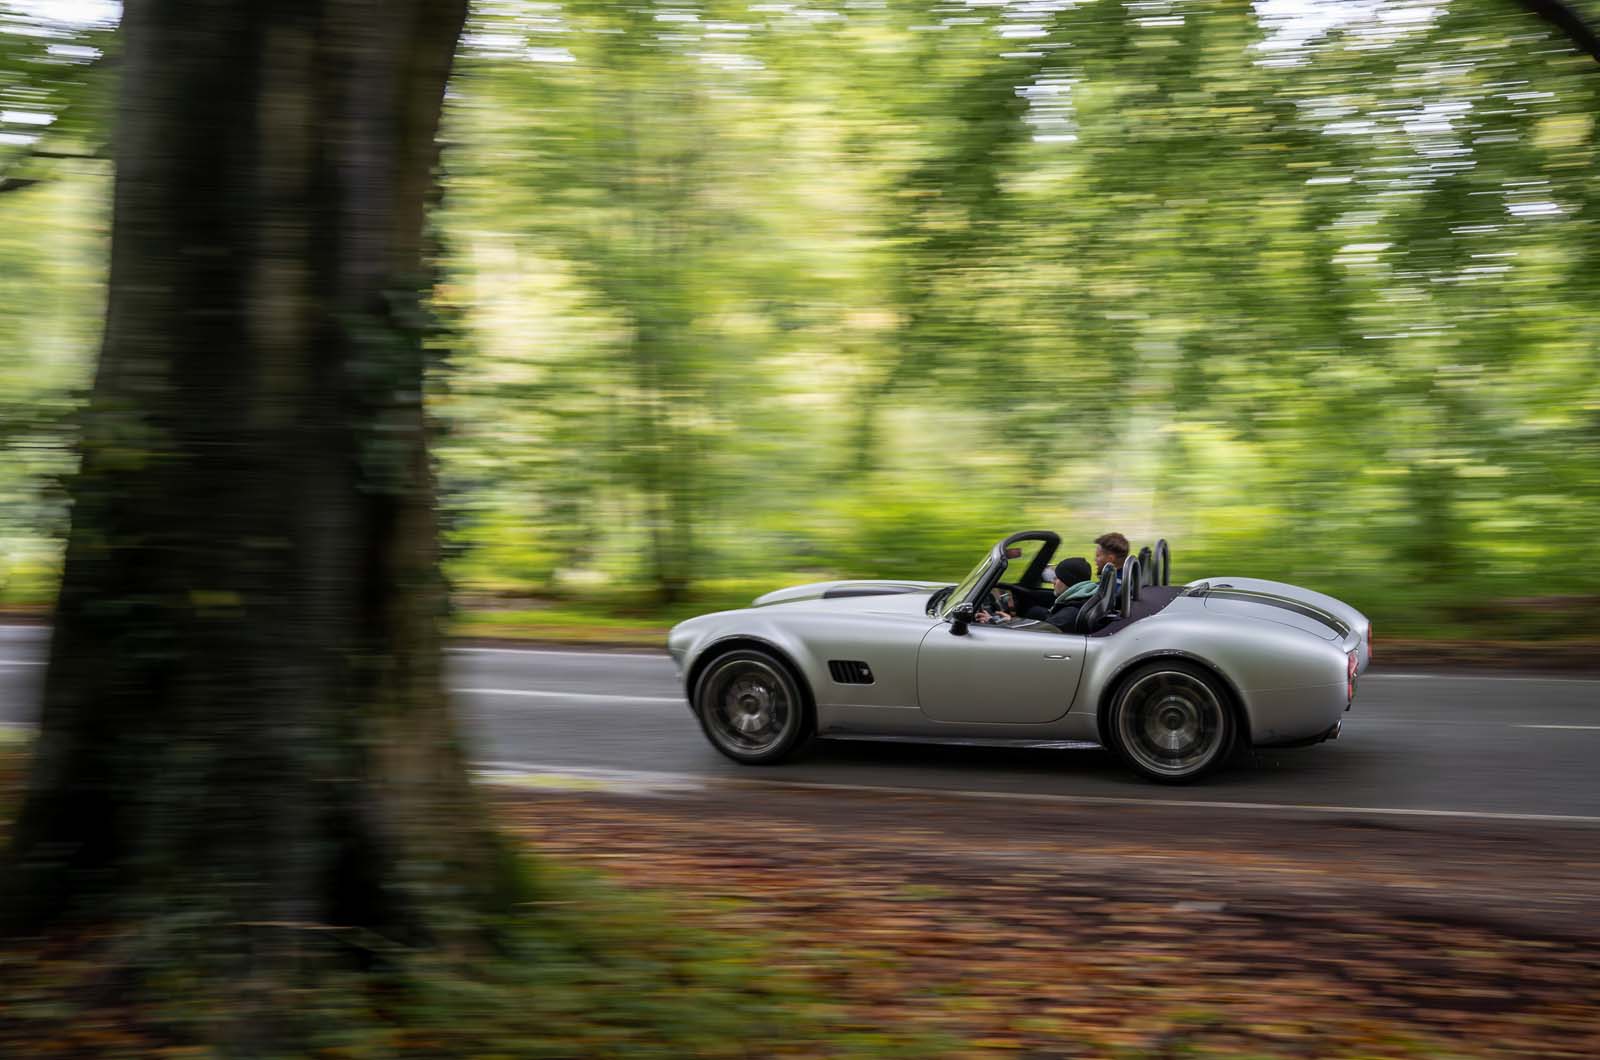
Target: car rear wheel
{"x": 751, "y": 707}
{"x": 1172, "y": 722}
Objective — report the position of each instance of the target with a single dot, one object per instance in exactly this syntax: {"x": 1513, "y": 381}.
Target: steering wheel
{"x": 996, "y": 600}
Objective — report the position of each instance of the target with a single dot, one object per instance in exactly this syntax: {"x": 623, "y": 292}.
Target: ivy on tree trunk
{"x": 245, "y": 726}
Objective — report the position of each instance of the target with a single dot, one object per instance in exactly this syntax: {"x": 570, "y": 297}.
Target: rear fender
{"x": 1288, "y": 684}
{"x": 1359, "y": 623}
{"x": 1115, "y": 681}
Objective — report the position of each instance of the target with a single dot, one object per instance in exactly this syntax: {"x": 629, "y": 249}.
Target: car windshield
{"x": 1019, "y": 564}
{"x": 964, "y": 589}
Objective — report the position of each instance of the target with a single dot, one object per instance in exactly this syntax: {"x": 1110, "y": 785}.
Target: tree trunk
{"x": 244, "y": 716}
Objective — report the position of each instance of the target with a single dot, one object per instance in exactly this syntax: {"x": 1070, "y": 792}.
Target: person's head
{"x": 1070, "y": 572}
{"x": 1110, "y": 548}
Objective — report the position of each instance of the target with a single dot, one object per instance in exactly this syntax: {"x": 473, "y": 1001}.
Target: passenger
{"x": 1111, "y": 548}
{"x": 1108, "y": 548}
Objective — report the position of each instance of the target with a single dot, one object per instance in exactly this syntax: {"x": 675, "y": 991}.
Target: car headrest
{"x": 1091, "y": 616}
{"x": 1107, "y": 589}
{"x": 1161, "y": 564}
{"x": 1130, "y": 584}
{"x": 1146, "y": 568}
{"x": 1097, "y": 608}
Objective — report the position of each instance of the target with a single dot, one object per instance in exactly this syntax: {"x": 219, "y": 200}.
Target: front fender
{"x": 886, "y": 641}
{"x": 689, "y": 642}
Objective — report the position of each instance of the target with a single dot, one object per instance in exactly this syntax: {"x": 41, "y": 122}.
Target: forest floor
{"x": 920, "y": 925}
{"x": 1047, "y": 931}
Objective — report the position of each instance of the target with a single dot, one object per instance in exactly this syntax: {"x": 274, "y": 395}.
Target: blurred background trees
{"x": 744, "y": 293}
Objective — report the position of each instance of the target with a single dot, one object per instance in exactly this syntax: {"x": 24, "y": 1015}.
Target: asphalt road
{"x": 1505, "y": 746}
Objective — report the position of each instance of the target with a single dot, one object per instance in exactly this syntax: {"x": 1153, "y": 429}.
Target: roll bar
{"x": 1130, "y": 584}
{"x": 1161, "y": 564}
{"x": 1106, "y": 590}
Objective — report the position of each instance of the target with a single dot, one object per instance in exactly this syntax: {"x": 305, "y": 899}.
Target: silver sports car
{"x": 1171, "y": 678}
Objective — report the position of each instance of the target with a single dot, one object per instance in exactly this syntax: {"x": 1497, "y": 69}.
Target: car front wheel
{"x": 1172, "y": 722}
{"x": 751, "y": 707}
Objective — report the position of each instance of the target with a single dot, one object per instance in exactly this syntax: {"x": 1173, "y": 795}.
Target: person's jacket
{"x": 1065, "y": 607}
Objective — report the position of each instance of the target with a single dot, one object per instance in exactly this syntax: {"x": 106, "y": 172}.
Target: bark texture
{"x": 244, "y": 719}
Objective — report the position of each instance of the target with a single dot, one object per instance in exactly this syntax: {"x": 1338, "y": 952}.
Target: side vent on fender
{"x": 847, "y": 672}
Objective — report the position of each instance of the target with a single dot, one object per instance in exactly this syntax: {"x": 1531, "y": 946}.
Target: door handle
{"x": 1055, "y": 655}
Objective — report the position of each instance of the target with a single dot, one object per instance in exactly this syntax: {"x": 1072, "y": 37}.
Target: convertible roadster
{"x": 1171, "y": 678}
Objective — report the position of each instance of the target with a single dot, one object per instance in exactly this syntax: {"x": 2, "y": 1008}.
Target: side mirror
{"x": 961, "y": 617}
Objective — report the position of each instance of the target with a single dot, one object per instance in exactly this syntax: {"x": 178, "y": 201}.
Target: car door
{"x": 998, "y": 674}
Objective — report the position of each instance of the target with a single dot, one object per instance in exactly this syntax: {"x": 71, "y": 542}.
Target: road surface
{"x": 1508, "y": 747}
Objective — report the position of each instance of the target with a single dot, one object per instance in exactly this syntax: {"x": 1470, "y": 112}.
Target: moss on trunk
{"x": 245, "y": 726}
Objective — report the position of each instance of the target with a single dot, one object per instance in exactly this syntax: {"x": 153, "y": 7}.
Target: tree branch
{"x": 1568, "y": 21}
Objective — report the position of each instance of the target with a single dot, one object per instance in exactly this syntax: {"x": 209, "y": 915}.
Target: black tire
{"x": 751, "y": 707}
{"x": 1172, "y": 722}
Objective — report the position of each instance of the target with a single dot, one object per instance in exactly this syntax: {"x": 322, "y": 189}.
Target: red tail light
{"x": 1369, "y": 643}
{"x": 1350, "y": 677}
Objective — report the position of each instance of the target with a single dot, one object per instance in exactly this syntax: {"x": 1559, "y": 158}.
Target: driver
{"x": 1072, "y": 586}
{"x": 1109, "y": 548}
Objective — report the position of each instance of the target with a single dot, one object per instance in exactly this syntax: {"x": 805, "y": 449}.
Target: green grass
{"x": 568, "y": 624}
{"x": 584, "y": 968}
{"x": 1397, "y": 615}
{"x": 1400, "y": 609}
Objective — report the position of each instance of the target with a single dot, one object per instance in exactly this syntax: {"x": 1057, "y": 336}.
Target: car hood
{"x": 840, "y": 590}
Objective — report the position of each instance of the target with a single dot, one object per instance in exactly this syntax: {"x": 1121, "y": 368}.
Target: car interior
{"x": 1145, "y": 588}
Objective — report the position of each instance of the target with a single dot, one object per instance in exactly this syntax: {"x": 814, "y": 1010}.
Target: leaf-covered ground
{"x": 1043, "y": 930}
{"x": 761, "y": 920}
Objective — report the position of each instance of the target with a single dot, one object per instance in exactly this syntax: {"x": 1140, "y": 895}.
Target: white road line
{"x": 599, "y": 652}
{"x": 1478, "y": 677}
{"x": 545, "y": 694}
{"x": 599, "y": 773}
{"x": 1020, "y": 796}
{"x": 598, "y": 656}
{"x": 636, "y": 777}
{"x": 593, "y": 653}
{"x": 1379, "y": 718}
{"x": 17, "y": 665}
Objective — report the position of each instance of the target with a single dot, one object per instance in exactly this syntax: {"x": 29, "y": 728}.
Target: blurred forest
{"x": 734, "y": 295}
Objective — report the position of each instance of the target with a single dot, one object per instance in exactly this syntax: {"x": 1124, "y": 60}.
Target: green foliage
{"x": 739, "y": 295}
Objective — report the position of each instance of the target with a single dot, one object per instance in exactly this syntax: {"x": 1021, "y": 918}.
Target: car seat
{"x": 1096, "y": 611}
